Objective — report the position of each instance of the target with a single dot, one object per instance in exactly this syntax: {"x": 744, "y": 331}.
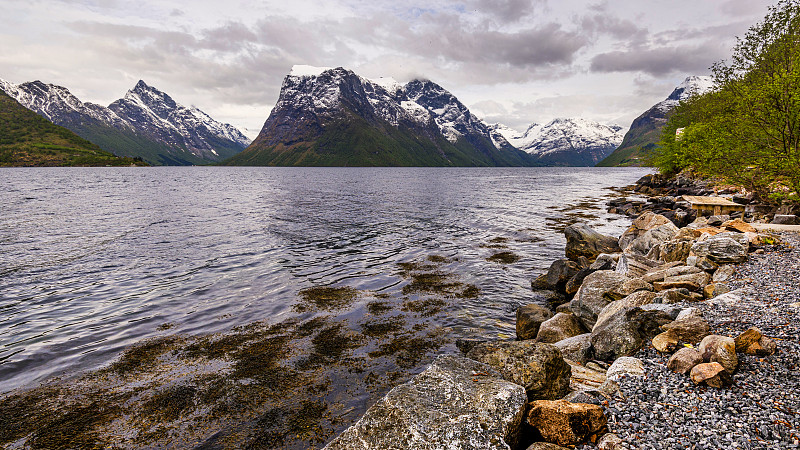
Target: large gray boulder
{"x": 456, "y": 403}
{"x": 639, "y": 298}
{"x": 559, "y": 327}
{"x": 529, "y": 319}
{"x": 723, "y": 248}
{"x": 584, "y": 241}
{"x": 577, "y": 348}
{"x": 539, "y": 368}
{"x": 624, "y": 333}
{"x": 647, "y": 231}
{"x": 598, "y": 290}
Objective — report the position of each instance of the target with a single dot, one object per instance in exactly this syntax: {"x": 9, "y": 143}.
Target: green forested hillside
{"x": 27, "y": 139}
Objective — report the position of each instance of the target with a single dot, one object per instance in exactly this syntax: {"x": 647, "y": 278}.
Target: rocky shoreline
{"x": 682, "y": 333}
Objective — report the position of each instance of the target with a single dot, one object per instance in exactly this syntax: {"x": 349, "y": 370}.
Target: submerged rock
{"x": 456, "y": 403}
{"x": 539, "y": 368}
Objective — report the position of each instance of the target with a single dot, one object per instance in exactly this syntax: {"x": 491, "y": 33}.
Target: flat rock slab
{"x": 456, "y": 403}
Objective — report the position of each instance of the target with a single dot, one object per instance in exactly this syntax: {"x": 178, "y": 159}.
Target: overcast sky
{"x": 511, "y": 61}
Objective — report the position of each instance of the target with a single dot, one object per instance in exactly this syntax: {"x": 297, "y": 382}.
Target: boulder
{"x": 563, "y": 308}
{"x": 684, "y": 360}
{"x": 635, "y": 265}
{"x": 559, "y": 327}
{"x": 752, "y": 342}
{"x": 577, "y": 348}
{"x": 564, "y": 423}
{"x": 597, "y": 291}
{"x": 545, "y": 446}
{"x": 739, "y": 225}
{"x": 585, "y": 379}
{"x": 575, "y": 282}
{"x": 645, "y": 222}
{"x": 699, "y": 279}
{"x": 632, "y": 285}
{"x": 665, "y": 271}
{"x": 711, "y": 374}
{"x": 636, "y": 299}
{"x": 540, "y": 368}
{"x": 670, "y": 310}
{"x": 529, "y": 319}
{"x": 691, "y": 329}
{"x": 720, "y": 349}
{"x": 705, "y": 264}
{"x": 625, "y": 367}
{"x": 672, "y": 250}
{"x": 605, "y": 261}
{"x": 675, "y": 295}
{"x": 560, "y": 271}
{"x": 718, "y": 220}
{"x": 624, "y": 332}
{"x": 643, "y": 244}
{"x": 722, "y": 248}
{"x": 454, "y": 401}
{"x": 665, "y": 342}
{"x": 584, "y": 241}
{"x": 784, "y": 219}
{"x": 687, "y": 313}
{"x": 724, "y": 273}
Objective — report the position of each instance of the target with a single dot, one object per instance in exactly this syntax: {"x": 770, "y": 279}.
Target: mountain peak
{"x": 302, "y": 70}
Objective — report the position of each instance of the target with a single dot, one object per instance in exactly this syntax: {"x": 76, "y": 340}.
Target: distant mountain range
{"x": 28, "y": 139}
{"x": 563, "y": 141}
{"x": 645, "y": 131}
{"x": 146, "y": 123}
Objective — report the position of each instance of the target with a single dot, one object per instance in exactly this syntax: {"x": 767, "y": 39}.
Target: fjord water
{"x": 95, "y": 259}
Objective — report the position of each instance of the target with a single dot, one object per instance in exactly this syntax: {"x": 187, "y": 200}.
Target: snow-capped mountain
{"x": 645, "y": 131}
{"x": 333, "y": 116}
{"x": 563, "y": 141}
{"x": 146, "y": 123}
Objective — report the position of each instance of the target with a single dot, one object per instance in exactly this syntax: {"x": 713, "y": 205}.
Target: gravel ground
{"x": 761, "y": 410}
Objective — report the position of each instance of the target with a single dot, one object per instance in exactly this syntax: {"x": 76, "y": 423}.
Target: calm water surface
{"x": 95, "y": 259}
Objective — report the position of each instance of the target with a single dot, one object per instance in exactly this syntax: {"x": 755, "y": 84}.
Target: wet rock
{"x": 684, "y": 360}
{"x": 636, "y": 299}
{"x": 595, "y": 293}
{"x": 564, "y": 423}
{"x": 752, "y": 342}
{"x": 624, "y": 333}
{"x": 625, "y": 367}
{"x": 563, "y": 308}
{"x": 465, "y": 345}
{"x": 529, "y": 319}
{"x": 577, "y": 348}
{"x": 711, "y": 374}
{"x": 539, "y": 368}
{"x": 720, "y": 349}
{"x": 559, "y": 327}
{"x": 690, "y": 329}
{"x": 455, "y": 402}
{"x": 584, "y": 241}
{"x": 557, "y": 276}
{"x": 722, "y": 248}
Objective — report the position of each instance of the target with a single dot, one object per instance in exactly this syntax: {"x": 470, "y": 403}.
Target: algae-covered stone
{"x": 539, "y": 368}
{"x": 456, "y": 403}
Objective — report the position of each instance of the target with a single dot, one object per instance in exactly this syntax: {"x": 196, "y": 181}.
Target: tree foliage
{"x": 747, "y": 129}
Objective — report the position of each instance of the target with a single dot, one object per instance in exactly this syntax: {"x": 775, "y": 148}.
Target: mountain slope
{"x": 562, "y": 141}
{"x": 333, "y": 117}
{"x": 28, "y": 139}
{"x": 146, "y": 123}
{"x": 645, "y": 131}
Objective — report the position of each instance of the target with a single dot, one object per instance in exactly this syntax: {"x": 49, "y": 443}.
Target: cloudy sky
{"x": 510, "y": 61}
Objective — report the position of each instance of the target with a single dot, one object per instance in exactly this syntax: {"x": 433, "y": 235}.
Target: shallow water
{"x": 95, "y": 259}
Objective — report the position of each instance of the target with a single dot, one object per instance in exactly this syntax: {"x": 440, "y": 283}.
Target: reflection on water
{"x": 95, "y": 259}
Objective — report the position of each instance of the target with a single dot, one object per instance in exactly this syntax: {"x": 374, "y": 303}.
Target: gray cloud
{"x": 660, "y": 61}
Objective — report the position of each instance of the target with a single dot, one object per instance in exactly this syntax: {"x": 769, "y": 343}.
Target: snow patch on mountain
{"x": 300, "y": 70}
{"x": 564, "y": 134}
{"x": 693, "y": 85}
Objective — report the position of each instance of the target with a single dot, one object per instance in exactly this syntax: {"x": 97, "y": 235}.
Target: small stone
{"x": 665, "y": 342}
{"x": 714, "y": 289}
{"x": 721, "y": 349}
{"x": 529, "y": 319}
{"x": 712, "y": 374}
{"x": 784, "y": 219}
{"x": 752, "y": 342}
{"x": 625, "y": 366}
{"x": 684, "y": 360}
{"x": 690, "y": 329}
{"x": 564, "y": 423}
{"x": 609, "y": 441}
